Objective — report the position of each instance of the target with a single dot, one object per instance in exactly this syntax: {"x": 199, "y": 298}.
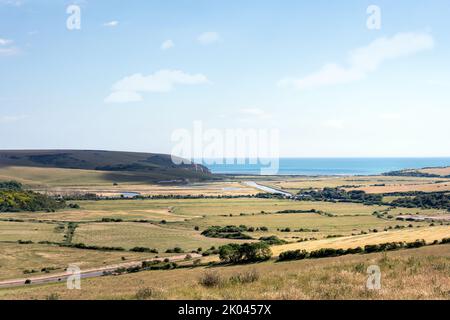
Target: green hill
{"x": 151, "y": 167}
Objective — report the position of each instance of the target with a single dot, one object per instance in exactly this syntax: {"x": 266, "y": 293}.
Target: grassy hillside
{"x": 406, "y": 274}
{"x": 111, "y": 165}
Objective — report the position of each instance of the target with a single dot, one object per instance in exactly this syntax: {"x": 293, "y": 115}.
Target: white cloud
{"x": 167, "y": 45}
{"x": 111, "y": 24}
{"x": 363, "y": 60}
{"x": 129, "y": 89}
{"x": 4, "y": 42}
{"x": 6, "y": 49}
{"x": 9, "y": 119}
{"x": 208, "y": 37}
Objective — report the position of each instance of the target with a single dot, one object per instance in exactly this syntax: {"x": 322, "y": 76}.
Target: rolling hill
{"x": 115, "y": 165}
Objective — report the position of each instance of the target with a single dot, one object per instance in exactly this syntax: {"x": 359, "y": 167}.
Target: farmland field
{"x": 38, "y": 244}
{"x": 14, "y": 231}
{"x": 131, "y": 235}
{"x": 429, "y": 234}
{"x": 370, "y": 184}
{"x": 439, "y": 171}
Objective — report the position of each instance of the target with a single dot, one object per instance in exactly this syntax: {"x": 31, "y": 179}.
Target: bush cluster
{"x": 330, "y": 252}
{"x": 244, "y": 253}
{"x": 227, "y": 232}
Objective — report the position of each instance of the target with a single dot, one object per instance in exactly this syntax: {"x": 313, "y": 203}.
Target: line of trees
{"x": 336, "y": 194}
{"x": 330, "y": 252}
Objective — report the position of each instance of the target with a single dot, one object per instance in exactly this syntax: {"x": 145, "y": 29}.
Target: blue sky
{"x": 139, "y": 70}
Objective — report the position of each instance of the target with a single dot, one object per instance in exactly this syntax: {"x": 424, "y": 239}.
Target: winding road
{"x": 88, "y": 273}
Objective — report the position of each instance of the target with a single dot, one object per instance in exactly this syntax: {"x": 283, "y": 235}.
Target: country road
{"x": 88, "y": 273}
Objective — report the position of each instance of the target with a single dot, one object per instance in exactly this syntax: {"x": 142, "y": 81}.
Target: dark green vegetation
{"x": 141, "y": 166}
{"x": 10, "y": 185}
{"x": 13, "y": 199}
{"x": 414, "y": 173}
{"x": 245, "y": 253}
{"x": 272, "y": 240}
{"x": 227, "y": 232}
{"x": 429, "y": 200}
{"x": 426, "y": 201}
{"x": 330, "y": 252}
{"x": 336, "y": 194}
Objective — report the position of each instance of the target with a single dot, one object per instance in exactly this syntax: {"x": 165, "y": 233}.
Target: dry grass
{"x": 440, "y": 171}
{"x": 75, "y": 181}
{"x": 293, "y": 184}
{"x": 429, "y": 234}
{"x": 14, "y": 231}
{"x": 129, "y": 235}
{"x": 15, "y": 258}
{"x": 407, "y": 274}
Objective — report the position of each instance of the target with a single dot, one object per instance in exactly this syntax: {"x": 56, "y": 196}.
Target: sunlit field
{"x": 411, "y": 274}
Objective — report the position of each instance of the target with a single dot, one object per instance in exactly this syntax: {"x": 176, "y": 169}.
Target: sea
{"x": 324, "y": 166}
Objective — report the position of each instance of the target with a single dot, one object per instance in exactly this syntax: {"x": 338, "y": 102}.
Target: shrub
{"x": 354, "y": 250}
{"x": 10, "y": 185}
{"x": 210, "y": 279}
{"x": 12, "y": 200}
{"x": 227, "y": 232}
{"x": 293, "y": 255}
{"x": 143, "y": 249}
{"x": 25, "y": 242}
{"x": 247, "y": 252}
{"x": 272, "y": 240}
{"x": 175, "y": 250}
{"x": 326, "y": 252}
{"x": 371, "y": 248}
{"x": 111, "y": 220}
{"x": 147, "y": 293}
{"x": 245, "y": 277}
{"x": 416, "y": 244}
